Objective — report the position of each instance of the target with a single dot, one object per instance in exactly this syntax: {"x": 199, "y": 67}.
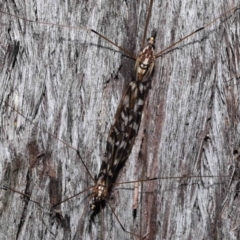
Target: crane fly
{"x": 54, "y": 171}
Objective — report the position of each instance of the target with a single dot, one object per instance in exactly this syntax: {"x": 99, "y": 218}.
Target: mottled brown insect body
{"x": 145, "y": 61}
{"x": 124, "y": 130}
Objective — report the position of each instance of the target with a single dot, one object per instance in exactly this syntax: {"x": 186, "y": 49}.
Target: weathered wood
{"x": 70, "y": 82}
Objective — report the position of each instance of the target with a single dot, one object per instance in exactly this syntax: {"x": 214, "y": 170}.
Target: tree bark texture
{"x": 69, "y": 81}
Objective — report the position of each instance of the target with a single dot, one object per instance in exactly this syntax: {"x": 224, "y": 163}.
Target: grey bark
{"x": 70, "y": 82}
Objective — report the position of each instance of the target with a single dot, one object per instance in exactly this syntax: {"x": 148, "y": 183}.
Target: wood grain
{"x": 70, "y": 82}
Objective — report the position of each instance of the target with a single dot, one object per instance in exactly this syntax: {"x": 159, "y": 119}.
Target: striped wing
{"x": 124, "y": 130}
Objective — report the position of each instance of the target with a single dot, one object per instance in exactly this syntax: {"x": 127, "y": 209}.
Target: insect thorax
{"x": 145, "y": 61}
{"x": 100, "y": 191}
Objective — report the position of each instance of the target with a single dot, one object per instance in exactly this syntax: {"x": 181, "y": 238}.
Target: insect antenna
{"x": 172, "y": 177}
{"x": 164, "y": 51}
{"x": 113, "y": 43}
{"x": 147, "y": 22}
{"x": 128, "y": 53}
{"x": 45, "y": 23}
